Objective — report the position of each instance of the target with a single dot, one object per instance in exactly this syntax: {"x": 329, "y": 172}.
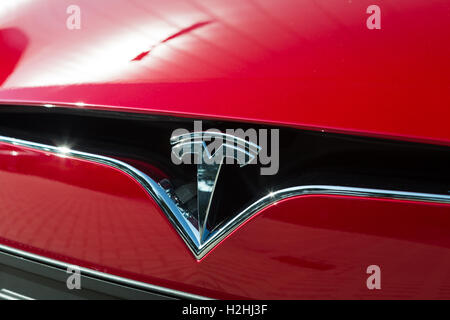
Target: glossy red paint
{"x": 313, "y": 246}
{"x": 302, "y": 63}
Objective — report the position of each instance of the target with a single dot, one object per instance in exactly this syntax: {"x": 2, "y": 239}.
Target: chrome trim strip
{"x": 166, "y": 204}
{"x": 11, "y": 295}
{"x": 279, "y": 195}
{"x": 101, "y": 275}
{"x": 175, "y": 215}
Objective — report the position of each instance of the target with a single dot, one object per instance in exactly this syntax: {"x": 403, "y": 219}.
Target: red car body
{"x": 305, "y": 64}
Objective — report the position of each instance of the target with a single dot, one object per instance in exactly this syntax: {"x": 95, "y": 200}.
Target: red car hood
{"x": 303, "y": 63}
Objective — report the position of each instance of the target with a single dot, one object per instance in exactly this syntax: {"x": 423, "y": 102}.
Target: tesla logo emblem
{"x": 209, "y": 159}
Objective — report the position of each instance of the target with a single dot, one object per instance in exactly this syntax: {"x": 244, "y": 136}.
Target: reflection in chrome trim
{"x": 174, "y": 214}
{"x": 6, "y": 294}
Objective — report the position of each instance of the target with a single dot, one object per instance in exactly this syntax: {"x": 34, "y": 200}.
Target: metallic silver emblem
{"x": 209, "y": 163}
